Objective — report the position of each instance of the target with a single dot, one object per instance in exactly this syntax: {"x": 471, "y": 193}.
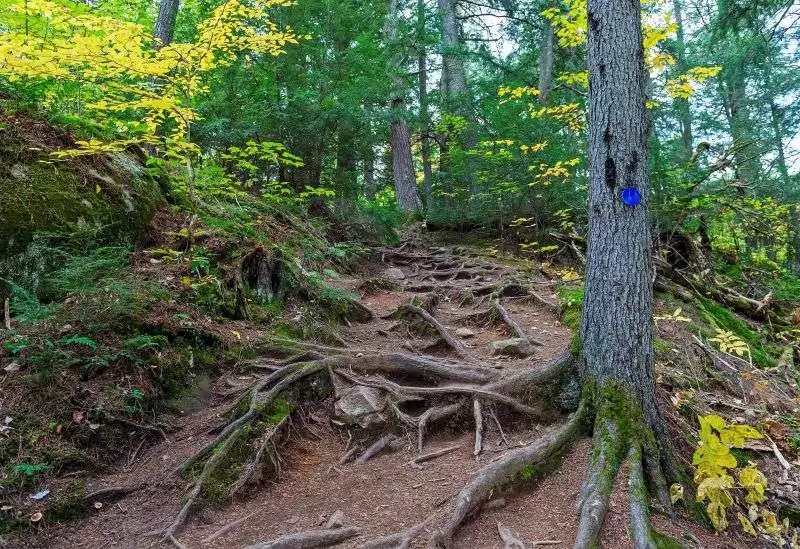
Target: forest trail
{"x": 388, "y": 493}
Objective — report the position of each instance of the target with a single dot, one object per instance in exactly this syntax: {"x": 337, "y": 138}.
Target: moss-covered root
{"x": 172, "y": 531}
{"x": 641, "y": 531}
{"x": 504, "y": 471}
{"x": 598, "y": 485}
{"x": 610, "y": 444}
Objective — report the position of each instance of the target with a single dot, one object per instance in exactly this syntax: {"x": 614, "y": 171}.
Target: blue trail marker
{"x": 631, "y": 196}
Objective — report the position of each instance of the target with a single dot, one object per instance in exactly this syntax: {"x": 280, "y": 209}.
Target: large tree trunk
{"x": 405, "y": 182}
{"x": 617, "y": 327}
{"x": 424, "y": 109}
{"x": 454, "y": 74}
{"x": 369, "y": 156}
{"x": 546, "y": 59}
{"x": 456, "y": 98}
{"x": 165, "y": 23}
{"x": 682, "y": 105}
{"x": 617, "y": 322}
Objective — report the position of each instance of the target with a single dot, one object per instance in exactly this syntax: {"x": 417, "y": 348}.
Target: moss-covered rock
{"x": 109, "y": 197}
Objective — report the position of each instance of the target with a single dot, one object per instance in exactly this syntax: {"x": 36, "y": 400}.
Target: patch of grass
{"x": 572, "y": 299}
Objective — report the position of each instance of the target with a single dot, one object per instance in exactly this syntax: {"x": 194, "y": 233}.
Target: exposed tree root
{"x": 310, "y": 539}
{"x": 598, "y": 485}
{"x": 457, "y": 346}
{"x": 400, "y": 540}
{"x": 172, "y": 531}
{"x": 268, "y": 445}
{"x": 641, "y": 532}
{"x": 493, "y": 476}
{"x": 513, "y": 324}
{"x": 379, "y": 446}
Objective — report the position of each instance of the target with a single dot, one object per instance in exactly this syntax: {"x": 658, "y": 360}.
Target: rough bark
{"x": 682, "y": 105}
{"x": 402, "y": 161}
{"x": 618, "y": 310}
{"x": 424, "y": 109}
{"x": 546, "y": 58}
{"x": 617, "y": 327}
{"x": 165, "y": 23}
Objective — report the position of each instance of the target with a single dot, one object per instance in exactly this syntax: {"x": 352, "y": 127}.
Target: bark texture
{"x": 546, "y": 58}
{"x": 618, "y": 311}
{"x": 165, "y": 23}
{"x": 424, "y": 108}
{"x": 405, "y": 182}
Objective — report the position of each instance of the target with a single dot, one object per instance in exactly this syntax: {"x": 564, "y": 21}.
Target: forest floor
{"x": 388, "y": 493}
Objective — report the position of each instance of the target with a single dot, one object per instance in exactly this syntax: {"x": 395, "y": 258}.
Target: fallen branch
{"x": 433, "y": 455}
{"x": 478, "y": 414}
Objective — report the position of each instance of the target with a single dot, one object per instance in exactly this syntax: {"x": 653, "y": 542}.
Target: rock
{"x": 359, "y": 405}
{"x": 13, "y": 367}
{"x": 465, "y": 333}
{"x": 394, "y": 273}
{"x": 336, "y": 520}
{"x": 516, "y": 347}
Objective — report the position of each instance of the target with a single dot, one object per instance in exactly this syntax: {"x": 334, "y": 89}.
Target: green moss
{"x": 572, "y": 299}
{"x": 111, "y": 197}
{"x": 718, "y": 316}
{"x": 665, "y": 542}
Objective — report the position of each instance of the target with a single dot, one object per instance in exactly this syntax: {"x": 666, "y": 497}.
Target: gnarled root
{"x": 598, "y": 485}
{"x": 400, "y": 540}
{"x": 308, "y": 540}
{"x": 641, "y": 532}
{"x": 487, "y": 480}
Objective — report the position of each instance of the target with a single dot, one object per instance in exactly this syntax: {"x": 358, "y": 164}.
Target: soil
{"x": 386, "y": 494}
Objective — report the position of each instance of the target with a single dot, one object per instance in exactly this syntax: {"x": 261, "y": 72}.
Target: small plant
{"x": 714, "y": 475}
{"x": 16, "y": 344}
{"x": 675, "y": 316}
{"x": 730, "y": 343}
{"x": 78, "y": 340}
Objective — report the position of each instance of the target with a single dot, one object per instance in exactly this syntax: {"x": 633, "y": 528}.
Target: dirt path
{"x": 386, "y": 494}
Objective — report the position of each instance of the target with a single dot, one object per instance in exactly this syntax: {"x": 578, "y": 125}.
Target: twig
{"x": 433, "y": 455}
{"x": 478, "y": 414}
{"x": 227, "y": 528}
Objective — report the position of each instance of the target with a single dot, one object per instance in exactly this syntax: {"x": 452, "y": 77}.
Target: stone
{"x": 516, "y": 347}
{"x": 336, "y": 520}
{"x": 394, "y": 273}
{"x": 359, "y": 405}
{"x": 465, "y": 333}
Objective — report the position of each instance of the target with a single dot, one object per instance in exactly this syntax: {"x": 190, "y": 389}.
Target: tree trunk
{"x": 369, "y": 155}
{"x": 424, "y": 109}
{"x": 777, "y": 128}
{"x": 454, "y": 74}
{"x": 682, "y": 105}
{"x": 405, "y": 182}
{"x": 618, "y": 311}
{"x": 456, "y": 98}
{"x": 747, "y": 160}
{"x": 546, "y": 58}
{"x": 617, "y": 326}
{"x": 165, "y": 23}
